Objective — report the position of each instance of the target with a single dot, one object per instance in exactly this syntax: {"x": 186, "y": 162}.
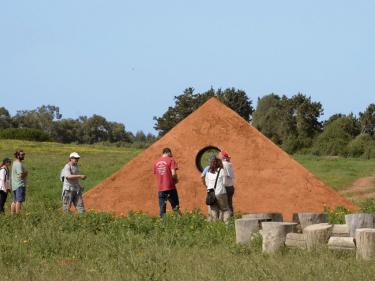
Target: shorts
{"x": 70, "y": 197}
{"x": 19, "y": 195}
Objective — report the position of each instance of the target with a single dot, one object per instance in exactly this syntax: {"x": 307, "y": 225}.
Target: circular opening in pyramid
{"x": 203, "y": 157}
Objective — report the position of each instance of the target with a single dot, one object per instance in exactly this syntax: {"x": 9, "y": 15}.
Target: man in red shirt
{"x": 166, "y": 176}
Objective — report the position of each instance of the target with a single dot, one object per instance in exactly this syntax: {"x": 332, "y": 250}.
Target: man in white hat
{"x": 72, "y": 190}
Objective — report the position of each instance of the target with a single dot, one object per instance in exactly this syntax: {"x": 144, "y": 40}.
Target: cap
{"x": 74, "y": 155}
{"x": 225, "y": 154}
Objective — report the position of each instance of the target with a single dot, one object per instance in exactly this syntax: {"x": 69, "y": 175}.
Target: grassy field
{"x": 337, "y": 172}
{"x": 44, "y": 244}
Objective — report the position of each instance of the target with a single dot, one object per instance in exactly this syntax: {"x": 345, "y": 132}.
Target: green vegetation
{"x": 44, "y": 244}
{"x": 188, "y": 102}
{"x": 45, "y": 161}
{"x": 24, "y": 134}
{"x": 46, "y": 123}
{"x": 292, "y": 123}
{"x": 53, "y": 246}
{"x": 337, "y": 172}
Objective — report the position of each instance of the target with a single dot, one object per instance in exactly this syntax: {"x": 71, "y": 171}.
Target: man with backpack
{"x": 72, "y": 190}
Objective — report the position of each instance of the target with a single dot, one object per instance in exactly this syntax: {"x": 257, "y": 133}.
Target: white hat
{"x": 74, "y": 155}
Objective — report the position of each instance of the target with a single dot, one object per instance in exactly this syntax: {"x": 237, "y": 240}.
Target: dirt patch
{"x": 267, "y": 179}
{"x": 362, "y": 188}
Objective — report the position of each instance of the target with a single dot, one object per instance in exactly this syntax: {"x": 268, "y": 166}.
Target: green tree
{"x": 367, "y": 120}
{"x": 189, "y": 101}
{"x": 5, "y": 118}
{"x": 66, "y": 130}
{"x": 306, "y": 114}
{"x": 140, "y": 137}
{"x": 41, "y": 118}
{"x": 236, "y": 100}
{"x": 118, "y": 133}
{"x": 290, "y": 122}
{"x": 95, "y": 129}
{"x": 268, "y": 117}
{"x": 336, "y": 136}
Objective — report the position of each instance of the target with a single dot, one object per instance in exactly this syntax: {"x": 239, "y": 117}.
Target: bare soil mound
{"x": 360, "y": 189}
{"x": 267, "y": 179}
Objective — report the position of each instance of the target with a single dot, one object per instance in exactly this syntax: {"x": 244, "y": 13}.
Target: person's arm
{"x": 24, "y": 174}
{"x": 203, "y": 176}
{"x": 174, "y": 176}
{"x": 76, "y": 177}
{"x": 69, "y": 176}
{"x": 174, "y": 171}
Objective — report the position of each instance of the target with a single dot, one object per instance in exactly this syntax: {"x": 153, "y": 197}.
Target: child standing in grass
{"x": 4, "y": 182}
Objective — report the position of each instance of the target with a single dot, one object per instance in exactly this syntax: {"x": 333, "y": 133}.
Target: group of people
{"x": 13, "y": 179}
{"x": 217, "y": 178}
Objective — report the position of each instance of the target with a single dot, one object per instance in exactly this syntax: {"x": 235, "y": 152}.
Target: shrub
{"x": 293, "y": 144}
{"x": 337, "y": 215}
{"x": 335, "y": 138}
{"x": 368, "y": 206}
{"x": 24, "y": 134}
{"x": 362, "y": 146}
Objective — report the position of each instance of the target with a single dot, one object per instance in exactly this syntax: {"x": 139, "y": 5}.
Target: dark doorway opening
{"x": 203, "y": 156}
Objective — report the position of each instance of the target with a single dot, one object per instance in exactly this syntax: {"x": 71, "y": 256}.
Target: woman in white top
{"x": 4, "y": 182}
{"x": 216, "y": 171}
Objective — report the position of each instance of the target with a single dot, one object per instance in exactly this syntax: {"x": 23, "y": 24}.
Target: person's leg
{"x": 3, "y": 198}
{"x": 66, "y": 200}
{"x": 230, "y": 193}
{"x": 21, "y": 197}
{"x": 18, "y": 207}
{"x": 223, "y": 205}
{"x": 13, "y": 205}
{"x": 174, "y": 200}
{"x": 214, "y": 212}
{"x": 162, "y": 202}
{"x": 78, "y": 202}
{"x": 18, "y": 198}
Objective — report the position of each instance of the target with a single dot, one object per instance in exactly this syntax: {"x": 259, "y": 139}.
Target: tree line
{"x": 45, "y": 123}
{"x": 293, "y": 123}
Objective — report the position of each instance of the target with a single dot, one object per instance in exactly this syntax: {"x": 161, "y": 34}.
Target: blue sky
{"x": 126, "y": 60}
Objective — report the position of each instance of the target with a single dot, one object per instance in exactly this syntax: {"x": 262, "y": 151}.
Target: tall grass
{"x": 44, "y": 244}
{"x": 53, "y": 246}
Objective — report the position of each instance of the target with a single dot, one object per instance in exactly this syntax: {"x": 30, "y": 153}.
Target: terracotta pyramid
{"x": 267, "y": 178}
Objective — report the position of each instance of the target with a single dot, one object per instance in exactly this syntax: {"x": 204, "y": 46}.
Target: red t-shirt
{"x": 163, "y": 172}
